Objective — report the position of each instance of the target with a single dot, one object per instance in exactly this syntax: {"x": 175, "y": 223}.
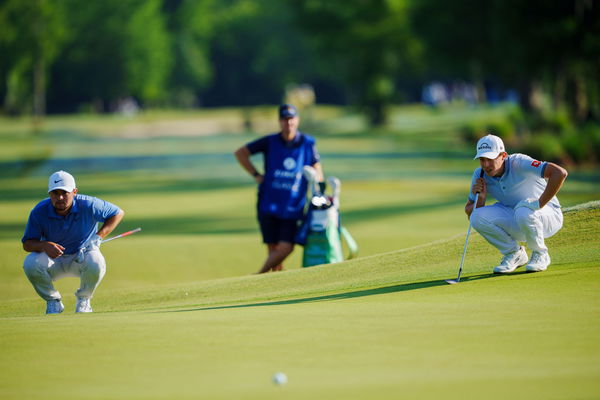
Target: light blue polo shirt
{"x": 70, "y": 231}
{"x": 523, "y": 178}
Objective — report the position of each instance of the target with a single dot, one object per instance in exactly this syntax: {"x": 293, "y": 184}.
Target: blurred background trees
{"x": 62, "y": 56}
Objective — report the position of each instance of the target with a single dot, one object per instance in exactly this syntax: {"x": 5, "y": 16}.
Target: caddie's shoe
{"x": 83, "y": 305}
{"x": 54, "y": 306}
{"x": 539, "y": 261}
{"x": 512, "y": 261}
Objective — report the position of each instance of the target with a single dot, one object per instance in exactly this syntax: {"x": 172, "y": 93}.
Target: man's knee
{"x": 36, "y": 263}
{"x": 525, "y": 217}
{"x": 93, "y": 264}
{"x": 479, "y": 218}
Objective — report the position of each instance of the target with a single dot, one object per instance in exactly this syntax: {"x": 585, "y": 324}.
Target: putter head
{"x": 451, "y": 281}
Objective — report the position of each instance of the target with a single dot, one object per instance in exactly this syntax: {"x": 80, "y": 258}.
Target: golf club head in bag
{"x": 336, "y": 187}
{"x": 318, "y": 198}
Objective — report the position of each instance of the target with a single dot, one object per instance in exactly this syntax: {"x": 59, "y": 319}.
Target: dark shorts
{"x": 275, "y": 229}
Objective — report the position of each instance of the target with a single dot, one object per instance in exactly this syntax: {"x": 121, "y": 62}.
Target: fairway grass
{"x": 383, "y": 326}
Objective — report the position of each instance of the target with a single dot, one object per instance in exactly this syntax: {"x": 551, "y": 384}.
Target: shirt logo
{"x": 536, "y": 163}
{"x": 289, "y": 163}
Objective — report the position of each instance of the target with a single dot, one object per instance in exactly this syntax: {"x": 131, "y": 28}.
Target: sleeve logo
{"x": 536, "y": 163}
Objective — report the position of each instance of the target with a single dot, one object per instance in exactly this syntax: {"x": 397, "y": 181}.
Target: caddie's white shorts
{"x": 42, "y": 270}
{"x": 504, "y": 227}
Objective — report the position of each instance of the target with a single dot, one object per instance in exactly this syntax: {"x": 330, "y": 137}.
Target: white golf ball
{"x": 280, "y": 378}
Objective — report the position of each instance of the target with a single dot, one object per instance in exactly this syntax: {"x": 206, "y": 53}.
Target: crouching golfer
{"x": 527, "y": 209}
{"x": 63, "y": 238}
{"x": 282, "y": 187}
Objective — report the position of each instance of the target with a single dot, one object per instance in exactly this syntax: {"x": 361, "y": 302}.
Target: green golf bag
{"x": 321, "y": 232}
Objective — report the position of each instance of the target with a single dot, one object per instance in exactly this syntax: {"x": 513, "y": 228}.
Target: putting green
{"x": 384, "y": 326}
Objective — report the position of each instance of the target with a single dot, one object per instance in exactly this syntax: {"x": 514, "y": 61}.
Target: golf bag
{"x": 321, "y": 232}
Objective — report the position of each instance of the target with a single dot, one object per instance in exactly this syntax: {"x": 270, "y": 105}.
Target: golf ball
{"x": 280, "y": 378}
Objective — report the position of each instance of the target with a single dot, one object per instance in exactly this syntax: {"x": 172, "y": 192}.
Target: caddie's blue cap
{"x": 287, "y": 111}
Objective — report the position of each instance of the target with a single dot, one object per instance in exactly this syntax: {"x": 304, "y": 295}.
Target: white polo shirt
{"x": 523, "y": 178}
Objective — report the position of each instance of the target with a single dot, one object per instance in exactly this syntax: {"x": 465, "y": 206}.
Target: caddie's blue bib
{"x": 283, "y": 191}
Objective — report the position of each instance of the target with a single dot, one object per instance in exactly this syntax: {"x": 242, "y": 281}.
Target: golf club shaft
{"x": 122, "y": 235}
{"x": 462, "y": 261}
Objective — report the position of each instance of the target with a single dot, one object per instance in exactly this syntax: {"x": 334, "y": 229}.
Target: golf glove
{"x": 531, "y": 203}
{"x": 92, "y": 244}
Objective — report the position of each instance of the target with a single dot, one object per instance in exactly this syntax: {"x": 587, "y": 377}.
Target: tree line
{"x": 62, "y": 56}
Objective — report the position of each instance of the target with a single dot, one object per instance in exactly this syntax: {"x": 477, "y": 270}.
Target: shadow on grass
{"x": 347, "y": 295}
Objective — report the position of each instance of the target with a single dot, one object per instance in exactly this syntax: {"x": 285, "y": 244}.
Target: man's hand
{"x": 54, "y": 250}
{"x": 531, "y": 203}
{"x": 480, "y": 187}
{"x": 93, "y": 243}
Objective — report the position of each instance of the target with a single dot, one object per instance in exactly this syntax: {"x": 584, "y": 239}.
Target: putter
{"x": 122, "y": 235}
{"x": 462, "y": 261}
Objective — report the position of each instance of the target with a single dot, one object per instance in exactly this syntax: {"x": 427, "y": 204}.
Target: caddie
{"x": 526, "y": 210}
{"x": 63, "y": 239}
{"x": 282, "y": 187}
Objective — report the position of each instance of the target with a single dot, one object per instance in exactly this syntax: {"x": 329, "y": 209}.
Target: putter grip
{"x": 481, "y": 174}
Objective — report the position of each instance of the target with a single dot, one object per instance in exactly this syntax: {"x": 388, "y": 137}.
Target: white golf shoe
{"x": 83, "y": 306}
{"x": 512, "y": 261}
{"x": 54, "y": 306}
{"x": 539, "y": 262}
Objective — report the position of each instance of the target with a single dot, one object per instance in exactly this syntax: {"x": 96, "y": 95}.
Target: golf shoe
{"x": 539, "y": 261}
{"x": 54, "y": 306}
{"x": 511, "y": 261}
{"x": 83, "y": 306}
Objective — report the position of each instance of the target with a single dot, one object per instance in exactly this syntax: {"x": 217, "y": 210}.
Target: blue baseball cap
{"x": 287, "y": 111}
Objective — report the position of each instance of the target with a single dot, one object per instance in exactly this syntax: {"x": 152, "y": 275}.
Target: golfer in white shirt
{"x": 526, "y": 210}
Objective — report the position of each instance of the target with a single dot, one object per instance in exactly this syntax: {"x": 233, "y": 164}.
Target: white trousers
{"x": 504, "y": 227}
{"x": 42, "y": 270}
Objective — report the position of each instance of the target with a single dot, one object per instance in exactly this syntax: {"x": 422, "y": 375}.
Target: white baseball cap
{"x": 489, "y": 146}
{"x": 61, "y": 180}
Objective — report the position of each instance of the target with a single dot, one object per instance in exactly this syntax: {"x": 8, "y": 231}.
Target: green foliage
{"x": 32, "y": 34}
{"x": 245, "y": 52}
{"x": 146, "y": 51}
{"x": 124, "y": 53}
{"x": 576, "y": 146}
{"x": 544, "y": 146}
{"x": 370, "y": 43}
{"x": 191, "y": 26}
{"x": 502, "y": 128}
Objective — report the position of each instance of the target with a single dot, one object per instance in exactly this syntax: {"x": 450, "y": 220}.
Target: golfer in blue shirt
{"x": 63, "y": 239}
{"x": 282, "y": 187}
{"x": 526, "y": 208}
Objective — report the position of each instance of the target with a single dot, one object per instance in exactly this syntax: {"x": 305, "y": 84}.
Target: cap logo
{"x": 484, "y": 146}
{"x": 60, "y": 180}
